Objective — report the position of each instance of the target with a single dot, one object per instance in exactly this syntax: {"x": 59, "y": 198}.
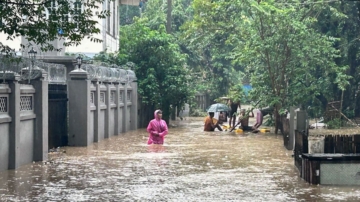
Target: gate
{"x": 58, "y": 106}
{"x": 58, "y": 124}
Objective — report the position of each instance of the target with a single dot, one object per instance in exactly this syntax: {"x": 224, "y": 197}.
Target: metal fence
{"x": 29, "y": 70}
{"x": 109, "y": 74}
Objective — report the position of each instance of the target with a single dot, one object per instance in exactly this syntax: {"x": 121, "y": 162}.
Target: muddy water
{"x": 191, "y": 166}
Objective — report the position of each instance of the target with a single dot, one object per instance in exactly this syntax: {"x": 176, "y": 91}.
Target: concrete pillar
{"x": 134, "y": 106}
{"x": 292, "y": 128}
{"x": 97, "y": 113}
{"x": 79, "y": 108}
{"x": 123, "y": 105}
{"x": 14, "y": 112}
{"x": 41, "y": 101}
{"x": 117, "y": 111}
{"x": 301, "y": 122}
{"x": 107, "y": 112}
{"x": 125, "y": 117}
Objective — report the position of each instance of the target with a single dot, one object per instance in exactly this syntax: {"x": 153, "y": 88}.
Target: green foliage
{"x": 208, "y": 49}
{"x": 350, "y": 113}
{"x": 236, "y": 93}
{"x": 28, "y": 19}
{"x": 292, "y": 54}
{"x": 127, "y": 14}
{"x": 289, "y": 61}
{"x": 109, "y": 58}
{"x": 163, "y": 77}
{"x": 198, "y": 113}
{"x": 84, "y": 57}
{"x": 269, "y": 122}
{"x": 345, "y": 25}
{"x": 315, "y": 110}
{"x": 334, "y": 124}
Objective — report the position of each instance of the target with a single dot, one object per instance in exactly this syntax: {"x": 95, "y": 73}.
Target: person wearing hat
{"x": 209, "y": 124}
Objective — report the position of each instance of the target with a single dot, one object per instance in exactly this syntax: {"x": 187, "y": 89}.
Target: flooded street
{"x": 191, "y": 166}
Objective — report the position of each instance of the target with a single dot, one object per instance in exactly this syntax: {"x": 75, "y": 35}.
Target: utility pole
{"x": 168, "y": 18}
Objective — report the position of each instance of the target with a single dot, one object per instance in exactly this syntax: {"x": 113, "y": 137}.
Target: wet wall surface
{"x": 191, "y": 166}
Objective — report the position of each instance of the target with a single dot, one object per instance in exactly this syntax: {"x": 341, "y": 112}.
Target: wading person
{"x": 209, "y": 124}
{"x": 244, "y": 120}
{"x": 234, "y": 107}
{"x": 259, "y": 118}
{"x": 157, "y": 129}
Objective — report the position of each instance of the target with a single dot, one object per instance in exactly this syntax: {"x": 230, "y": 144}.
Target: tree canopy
{"x": 293, "y": 53}
{"x": 277, "y": 43}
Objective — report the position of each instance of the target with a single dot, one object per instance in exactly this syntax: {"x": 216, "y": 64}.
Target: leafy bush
{"x": 350, "y": 113}
{"x": 236, "y": 93}
{"x": 198, "y": 113}
{"x": 269, "y": 122}
{"x": 334, "y": 124}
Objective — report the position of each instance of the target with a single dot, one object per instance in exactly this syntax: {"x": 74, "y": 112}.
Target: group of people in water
{"x": 243, "y": 119}
{"x": 158, "y": 128}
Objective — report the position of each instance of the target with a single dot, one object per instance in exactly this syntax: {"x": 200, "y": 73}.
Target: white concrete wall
{"x": 14, "y": 44}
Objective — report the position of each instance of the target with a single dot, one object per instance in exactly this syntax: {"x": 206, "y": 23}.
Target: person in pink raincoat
{"x": 157, "y": 129}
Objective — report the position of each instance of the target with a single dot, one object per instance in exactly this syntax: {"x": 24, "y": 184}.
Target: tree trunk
{"x": 168, "y": 18}
{"x": 323, "y": 101}
{"x": 357, "y": 106}
{"x": 173, "y": 113}
{"x": 146, "y": 115}
{"x": 277, "y": 120}
{"x": 341, "y": 103}
{"x": 166, "y": 112}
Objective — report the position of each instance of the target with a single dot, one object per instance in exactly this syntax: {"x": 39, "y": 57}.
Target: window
{"x": 121, "y": 97}
{"x": 77, "y": 11}
{"x": 108, "y": 18}
{"x": 114, "y": 19}
{"x": 3, "y": 104}
{"x": 92, "y": 98}
{"x": 117, "y": 20}
{"x": 26, "y": 103}
{"x": 77, "y": 7}
{"x": 51, "y": 7}
{"x": 102, "y": 98}
{"x": 112, "y": 97}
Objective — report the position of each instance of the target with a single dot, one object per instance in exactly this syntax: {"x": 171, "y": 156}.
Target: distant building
{"x": 109, "y": 33}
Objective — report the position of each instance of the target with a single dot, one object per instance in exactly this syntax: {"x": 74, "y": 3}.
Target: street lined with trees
{"x": 295, "y": 53}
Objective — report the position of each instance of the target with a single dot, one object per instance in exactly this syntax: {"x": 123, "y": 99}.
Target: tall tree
{"x": 277, "y": 44}
{"x": 347, "y": 29}
{"x": 208, "y": 48}
{"x": 163, "y": 76}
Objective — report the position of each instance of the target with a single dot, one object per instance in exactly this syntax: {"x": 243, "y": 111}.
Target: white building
{"x": 109, "y": 34}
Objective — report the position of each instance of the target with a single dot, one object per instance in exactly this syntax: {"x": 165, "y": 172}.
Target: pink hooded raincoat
{"x": 159, "y": 126}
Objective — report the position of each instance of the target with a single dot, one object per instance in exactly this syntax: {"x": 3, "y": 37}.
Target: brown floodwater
{"x": 191, "y": 166}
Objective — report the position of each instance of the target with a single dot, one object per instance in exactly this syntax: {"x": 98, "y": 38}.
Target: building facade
{"x": 109, "y": 34}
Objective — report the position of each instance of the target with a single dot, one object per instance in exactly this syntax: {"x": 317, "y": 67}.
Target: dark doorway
{"x": 58, "y": 111}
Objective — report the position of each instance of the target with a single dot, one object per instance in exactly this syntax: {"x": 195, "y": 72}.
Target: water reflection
{"x": 191, "y": 166}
